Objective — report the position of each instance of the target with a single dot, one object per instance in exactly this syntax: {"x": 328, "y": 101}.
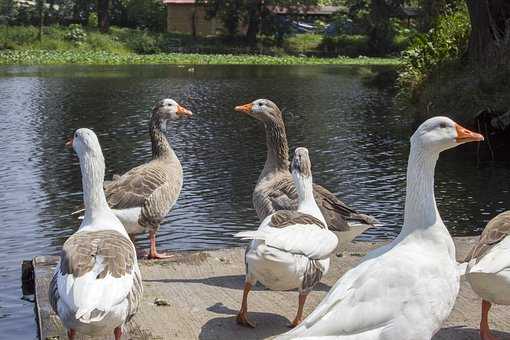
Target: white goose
{"x": 488, "y": 270}
{"x": 97, "y": 286}
{"x": 406, "y": 289}
{"x": 290, "y": 249}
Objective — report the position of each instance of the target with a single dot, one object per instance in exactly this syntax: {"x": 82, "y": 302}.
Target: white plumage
{"x": 290, "y": 249}
{"x": 406, "y": 289}
{"x": 97, "y": 286}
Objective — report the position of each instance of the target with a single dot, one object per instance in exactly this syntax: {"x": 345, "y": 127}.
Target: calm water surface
{"x": 358, "y": 146}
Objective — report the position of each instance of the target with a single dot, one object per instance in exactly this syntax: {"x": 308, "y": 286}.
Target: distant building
{"x": 186, "y": 16}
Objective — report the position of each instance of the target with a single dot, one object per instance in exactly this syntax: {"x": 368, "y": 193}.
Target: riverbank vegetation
{"x": 42, "y": 57}
{"x": 131, "y": 30}
{"x": 462, "y": 66}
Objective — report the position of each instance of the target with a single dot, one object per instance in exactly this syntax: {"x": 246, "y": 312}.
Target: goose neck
{"x": 93, "y": 169}
{"x": 420, "y": 206}
{"x": 160, "y": 146}
{"x": 277, "y": 148}
{"x": 306, "y": 200}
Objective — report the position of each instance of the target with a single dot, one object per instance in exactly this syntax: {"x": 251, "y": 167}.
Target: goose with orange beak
{"x": 143, "y": 196}
{"x": 275, "y": 189}
{"x": 291, "y": 248}
{"x": 407, "y": 288}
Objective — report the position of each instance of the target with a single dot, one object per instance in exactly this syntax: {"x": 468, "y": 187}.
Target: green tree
{"x": 251, "y": 13}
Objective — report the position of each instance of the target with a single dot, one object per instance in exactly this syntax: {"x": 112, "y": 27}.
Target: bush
{"x": 76, "y": 34}
{"x": 443, "y": 45}
{"x": 144, "y": 43}
{"x": 346, "y": 45}
{"x": 301, "y": 43}
{"x": 92, "y": 20}
{"x": 103, "y": 42}
{"x": 12, "y": 37}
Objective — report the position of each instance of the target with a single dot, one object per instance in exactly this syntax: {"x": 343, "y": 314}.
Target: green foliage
{"x": 92, "y": 20}
{"x": 302, "y": 43}
{"x": 12, "y": 37}
{"x": 443, "y": 45}
{"x": 146, "y": 14}
{"x": 76, "y": 34}
{"x": 346, "y": 45}
{"x": 139, "y": 41}
{"x": 88, "y": 57}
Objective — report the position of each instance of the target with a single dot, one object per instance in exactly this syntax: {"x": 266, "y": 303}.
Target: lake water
{"x": 358, "y": 146}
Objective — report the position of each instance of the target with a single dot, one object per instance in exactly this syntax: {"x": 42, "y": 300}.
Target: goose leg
{"x": 139, "y": 252}
{"x": 153, "y": 254}
{"x": 485, "y": 332}
{"x": 71, "y": 333}
{"x": 299, "y": 314}
{"x": 118, "y": 333}
{"x": 242, "y": 317}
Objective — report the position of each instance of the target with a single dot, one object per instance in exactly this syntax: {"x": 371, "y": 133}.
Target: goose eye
{"x": 442, "y": 125}
{"x": 260, "y": 104}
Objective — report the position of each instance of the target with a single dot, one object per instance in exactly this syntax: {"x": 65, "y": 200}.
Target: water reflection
{"x": 358, "y": 148}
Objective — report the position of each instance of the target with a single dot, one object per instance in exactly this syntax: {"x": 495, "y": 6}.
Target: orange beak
{"x": 246, "y": 108}
{"x": 69, "y": 143}
{"x": 182, "y": 112}
{"x": 464, "y": 135}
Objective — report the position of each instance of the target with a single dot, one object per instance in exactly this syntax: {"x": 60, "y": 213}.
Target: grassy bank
{"x": 45, "y": 57}
{"x": 76, "y": 45}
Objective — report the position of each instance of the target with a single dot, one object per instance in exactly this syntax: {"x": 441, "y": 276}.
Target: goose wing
{"x": 134, "y": 187}
{"x": 496, "y": 230}
{"x": 295, "y": 232}
{"x": 98, "y": 270}
{"x": 369, "y": 302}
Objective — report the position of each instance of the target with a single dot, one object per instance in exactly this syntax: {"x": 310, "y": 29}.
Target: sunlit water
{"x": 358, "y": 146}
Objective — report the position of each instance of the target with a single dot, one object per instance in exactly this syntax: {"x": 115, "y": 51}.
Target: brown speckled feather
{"x": 154, "y": 187}
{"x": 279, "y": 193}
{"x": 80, "y": 253}
{"x": 275, "y": 188}
{"x": 496, "y": 230}
{"x": 313, "y": 275}
{"x": 285, "y": 218}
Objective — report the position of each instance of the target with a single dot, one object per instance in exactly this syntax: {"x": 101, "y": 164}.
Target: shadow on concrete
{"x": 267, "y": 325}
{"x": 466, "y": 333}
{"x": 228, "y": 281}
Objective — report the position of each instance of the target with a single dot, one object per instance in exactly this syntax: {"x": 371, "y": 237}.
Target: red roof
{"x": 179, "y": 1}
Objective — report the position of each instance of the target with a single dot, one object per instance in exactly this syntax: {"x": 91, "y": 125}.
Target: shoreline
{"x": 47, "y": 57}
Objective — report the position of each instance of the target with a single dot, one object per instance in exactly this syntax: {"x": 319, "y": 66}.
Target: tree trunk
{"x": 194, "y": 22}
{"x": 103, "y": 18}
{"x": 254, "y": 13}
{"x": 41, "y": 4}
{"x": 490, "y": 30}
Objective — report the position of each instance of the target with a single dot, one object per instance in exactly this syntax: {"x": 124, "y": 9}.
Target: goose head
{"x": 441, "y": 133}
{"x": 301, "y": 165}
{"x": 261, "y": 109}
{"x": 168, "y": 109}
{"x": 85, "y": 142}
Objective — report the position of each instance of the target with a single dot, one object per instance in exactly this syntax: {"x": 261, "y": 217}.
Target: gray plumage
{"x": 275, "y": 188}
{"x": 107, "y": 248}
{"x": 153, "y": 187}
{"x": 496, "y": 230}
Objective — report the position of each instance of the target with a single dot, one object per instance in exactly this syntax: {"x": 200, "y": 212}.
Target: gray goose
{"x": 488, "y": 269}
{"x": 291, "y": 248}
{"x": 275, "y": 189}
{"x": 97, "y": 285}
{"x": 143, "y": 196}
